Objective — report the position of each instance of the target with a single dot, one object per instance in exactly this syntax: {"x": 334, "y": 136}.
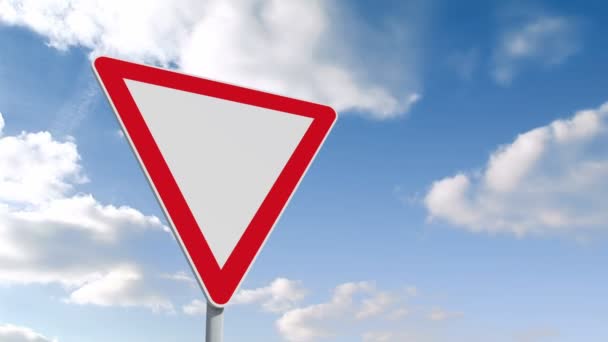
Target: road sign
{"x": 223, "y": 160}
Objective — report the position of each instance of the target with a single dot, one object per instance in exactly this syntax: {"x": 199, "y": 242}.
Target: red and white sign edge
{"x": 218, "y": 283}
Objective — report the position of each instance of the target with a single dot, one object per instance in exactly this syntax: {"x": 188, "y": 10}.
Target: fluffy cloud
{"x": 41, "y": 167}
{"x": 281, "y": 295}
{"x": 549, "y": 180}
{"x": 13, "y": 333}
{"x": 250, "y": 42}
{"x": 49, "y": 235}
{"x": 180, "y": 276}
{"x": 543, "y": 40}
{"x": 61, "y": 240}
{"x": 318, "y": 321}
{"x": 196, "y": 307}
{"x": 376, "y": 305}
{"x": 123, "y": 286}
{"x": 354, "y": 310}
{"x": 357, "y": 304}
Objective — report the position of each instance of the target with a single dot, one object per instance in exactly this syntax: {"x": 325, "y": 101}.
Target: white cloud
{"x": 281, "y": 295}
{"x": 356, "y": 310}
{"x": 314, "y": 322}
{"x": 180, "y": 276}
{"x": 14, "y": 333}
{"x": 196, "y": 307}
{"x": 549, "y": 180}
{"x": 353, "y": 308}
{"x": 258, "y": 43}
{"x": 41, "y": 168}
{"x": 61, "y": 240}
{"x": 1, "y": 124}
{"x": 542, "y": 40}
{"x": 49, "y": 235}
{"x": 123, "y": 286}
{"x": 375, "y": 305}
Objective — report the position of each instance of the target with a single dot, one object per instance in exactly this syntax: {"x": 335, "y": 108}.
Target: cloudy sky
{"x": 460, "y": 197}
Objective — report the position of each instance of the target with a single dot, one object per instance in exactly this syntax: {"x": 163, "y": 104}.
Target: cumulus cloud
{"x": 544, "y": 40}
{"x": 56, "y": 169}
{"x": 318, "y": 321}
{"x": 281, "y": 295}
{"x": 123, "y": 286}
{"x": 196, "y": 307}
{"x": 249, "y": 42}
{"x": 60, "y": 241}
{"x": 50, "y": 235}
{"x": 180, "y": 276}
{"x": 549, "y": 180}
{"x": 375, "y": 305}
{"x": 14, "y": 333}
{"x": 355, "y": 310}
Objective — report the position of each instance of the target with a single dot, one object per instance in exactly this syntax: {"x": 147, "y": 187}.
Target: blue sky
{"x": 460, "y": 196}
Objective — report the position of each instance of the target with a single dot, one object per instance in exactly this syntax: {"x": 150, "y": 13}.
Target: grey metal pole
{"x": 215, "y": 324}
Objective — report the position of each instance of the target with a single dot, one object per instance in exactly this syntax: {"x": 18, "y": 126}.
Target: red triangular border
{"x": 218, "y": 283}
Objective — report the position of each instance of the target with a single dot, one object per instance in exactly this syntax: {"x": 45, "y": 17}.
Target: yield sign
{"x": 223, "y": 160}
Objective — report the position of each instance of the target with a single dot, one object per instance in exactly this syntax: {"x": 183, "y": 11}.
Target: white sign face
{"x": 223, "y": 160}
{"x": 225, "y": 156}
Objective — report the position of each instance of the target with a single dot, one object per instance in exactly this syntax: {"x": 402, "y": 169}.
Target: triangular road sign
{"x": 223, "y": 160}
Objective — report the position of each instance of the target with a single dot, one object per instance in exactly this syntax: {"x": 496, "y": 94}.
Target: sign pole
{"x": 215, "y": 324}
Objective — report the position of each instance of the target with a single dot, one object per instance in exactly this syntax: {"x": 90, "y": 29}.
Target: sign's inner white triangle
{"x": 224, "y": 155}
